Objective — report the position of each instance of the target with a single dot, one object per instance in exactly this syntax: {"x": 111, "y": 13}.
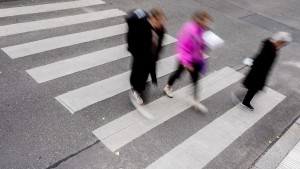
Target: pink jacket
{"x": 190, "y": 44}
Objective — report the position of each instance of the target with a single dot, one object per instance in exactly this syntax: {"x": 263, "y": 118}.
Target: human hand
{"x": 189, "y": 68}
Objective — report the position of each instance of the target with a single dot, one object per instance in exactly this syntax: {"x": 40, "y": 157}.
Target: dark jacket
{"x": 261, "y": 67}
{"x": 139, "y": 39}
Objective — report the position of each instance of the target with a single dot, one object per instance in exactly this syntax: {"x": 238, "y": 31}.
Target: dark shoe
{"x": 248, "y": 106}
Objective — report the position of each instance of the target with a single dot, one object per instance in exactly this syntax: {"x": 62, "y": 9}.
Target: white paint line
{"x": 65, "y": 67}
{"x": 292, "y": 63}
{"x": 47, "y": 7}
{"x": 30, "y": 48}
{"x": 83, "y": 97}
{"x": 298, "y": 121}
{"x": 198, "y": 150}
{"x": 58, "y": 22}
{"x": 80, "y": 98}
{"x": 130, "y": 126}
{"x": 292, "y": 160}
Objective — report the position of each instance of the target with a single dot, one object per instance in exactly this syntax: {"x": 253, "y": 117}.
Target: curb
{"x": 274, "y": 156}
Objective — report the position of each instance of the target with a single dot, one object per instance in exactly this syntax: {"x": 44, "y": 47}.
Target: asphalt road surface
{"x": 64, "y": 85}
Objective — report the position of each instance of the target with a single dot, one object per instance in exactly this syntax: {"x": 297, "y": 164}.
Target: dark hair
{"x": 156, "y": 13}
{"x": 201, "y": 15}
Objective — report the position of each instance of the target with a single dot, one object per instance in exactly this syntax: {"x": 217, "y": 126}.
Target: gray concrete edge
{"x": 273, "y": 156}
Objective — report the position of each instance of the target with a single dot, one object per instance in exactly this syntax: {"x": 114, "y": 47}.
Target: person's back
{"x": 190, "y": 43}
{"x": 262, "y": 64}
{"x": 144, "y": 38}
{"x": 191, "y": 50}
{"x": 139, "y": 33}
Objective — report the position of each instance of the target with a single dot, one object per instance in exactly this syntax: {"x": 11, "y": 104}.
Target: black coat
{"x": 139, "y": 39}
{"x": 261, "y": 67}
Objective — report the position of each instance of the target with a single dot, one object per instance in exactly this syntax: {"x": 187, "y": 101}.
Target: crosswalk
{"x": 58, "y": 22}
{"x": 130, "y": 126}
{"x": 208, "y": 142}
{"x": 65, "y": 67}
{"x": 198, "y": 150}
{"x": 44, "y": 45}
{"x": 48, "y": 7}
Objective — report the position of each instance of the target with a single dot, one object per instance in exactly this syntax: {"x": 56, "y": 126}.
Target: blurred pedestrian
{"x": 144, "y": 37}
{"x": 191, "y": 50}
{"x": 262, "y": 64}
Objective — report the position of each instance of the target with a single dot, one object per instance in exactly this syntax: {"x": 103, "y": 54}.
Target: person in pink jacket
{"x": 190, "y": 50}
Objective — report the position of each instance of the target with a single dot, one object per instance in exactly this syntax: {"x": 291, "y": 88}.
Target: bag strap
{"x": 196, "y": 41}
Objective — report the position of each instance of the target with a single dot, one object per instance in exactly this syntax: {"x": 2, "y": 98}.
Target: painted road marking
{"x": 39, "y": 46}
{"x": 198, "y": 150}
{"x": 58, "y": 22}
{"x": 66, "y": 67}
{"x": 130, "y": 126}
{"x": 47, "y": 7}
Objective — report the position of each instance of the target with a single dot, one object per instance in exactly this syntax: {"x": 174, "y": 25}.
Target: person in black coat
{"x": 262, "y": 64}
{"x": 144, "y": 37}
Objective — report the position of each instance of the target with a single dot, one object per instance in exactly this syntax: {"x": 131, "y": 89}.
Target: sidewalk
{"x": 285, "y": 153}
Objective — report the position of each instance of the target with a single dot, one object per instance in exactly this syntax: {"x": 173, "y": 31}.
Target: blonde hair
{"x": 157, "y": 13}
{"x": 201, "y": 15}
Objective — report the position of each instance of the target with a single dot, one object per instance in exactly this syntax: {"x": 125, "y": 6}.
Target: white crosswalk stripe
{"x": 65, "y": 67}
{"x": 47, "y": 7}
{"x": 198, "y": 150}
{"x": 58, "y": 22}
{"x": 83, "y": 97}
{"x": 130, "y": 126}
{"x": 35, "y": 47}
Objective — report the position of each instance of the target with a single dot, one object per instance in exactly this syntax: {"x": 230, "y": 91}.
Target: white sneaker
{"x": 138, "y": 98}
{"x": 201, "y": 108}
{"x": 169, "y": 91}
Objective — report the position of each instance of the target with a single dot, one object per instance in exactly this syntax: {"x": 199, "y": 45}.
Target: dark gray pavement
{"x": 37, "y": 132}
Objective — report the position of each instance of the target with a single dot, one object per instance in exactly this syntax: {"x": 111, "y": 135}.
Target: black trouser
{"x": 194, "y": 75}
{"x": 249, "y": 96}
{"x": 139, "y": 75}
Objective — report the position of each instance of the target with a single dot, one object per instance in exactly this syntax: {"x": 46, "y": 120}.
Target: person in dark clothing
{"x": 262, "y": 64}
{"x": 144, "y": 37}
